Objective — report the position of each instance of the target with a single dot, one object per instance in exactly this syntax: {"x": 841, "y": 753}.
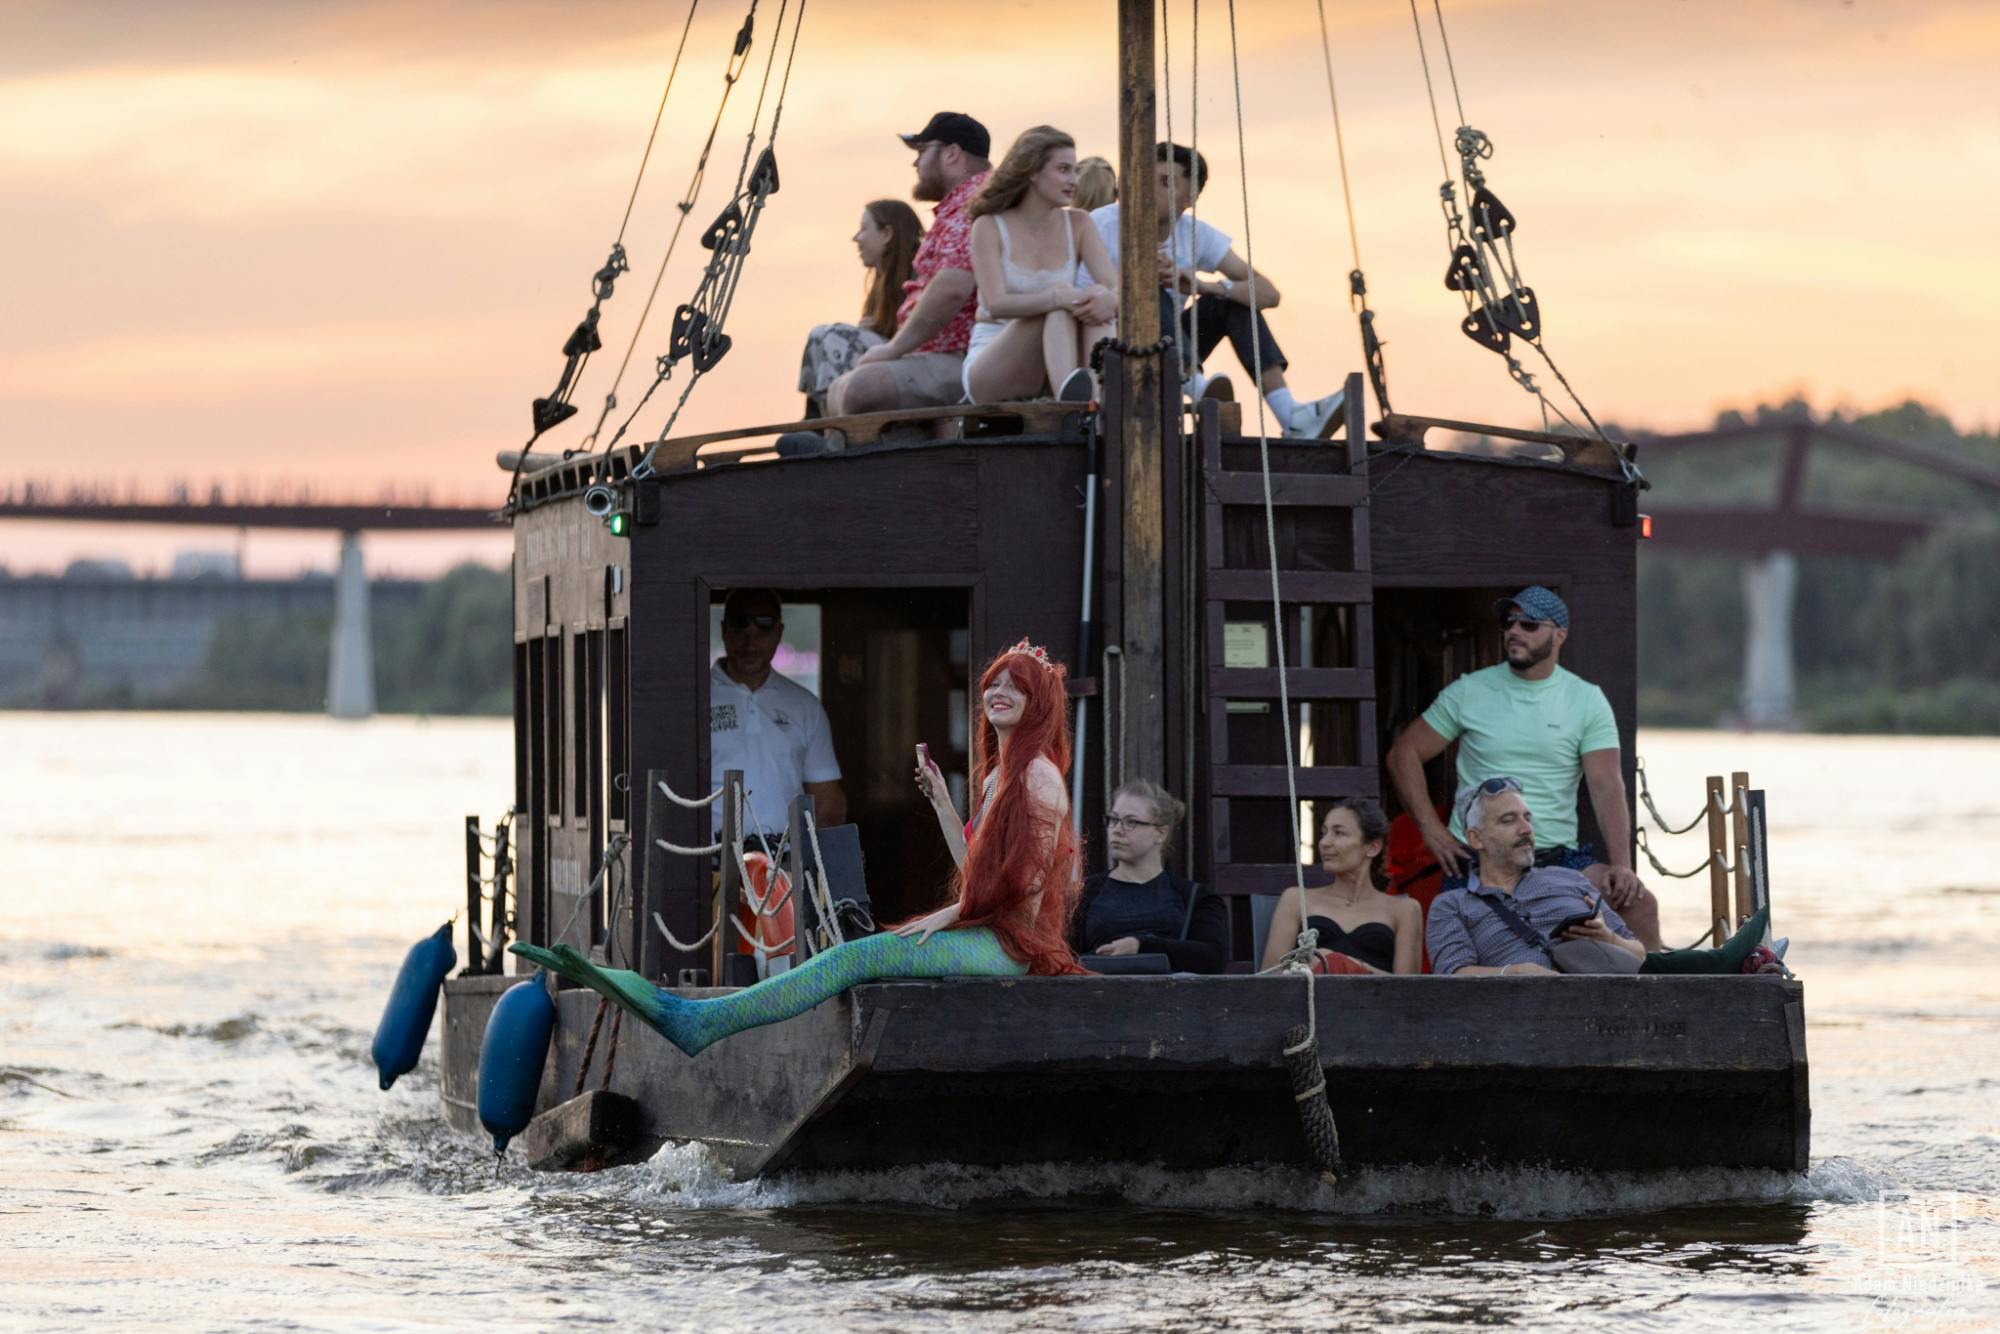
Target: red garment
{"x": 1411, "y": 867}
{"x": 1339, "y": 965}
{"x": 947, "y": 245}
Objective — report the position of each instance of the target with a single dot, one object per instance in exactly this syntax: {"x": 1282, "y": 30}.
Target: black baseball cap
{"x": 953, "y": 127}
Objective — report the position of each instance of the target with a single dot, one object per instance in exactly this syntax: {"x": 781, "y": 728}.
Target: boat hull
{"x": 1586, "y": 1072}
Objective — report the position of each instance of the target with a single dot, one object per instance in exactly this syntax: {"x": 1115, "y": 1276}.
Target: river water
{"x": 200, "y": 917}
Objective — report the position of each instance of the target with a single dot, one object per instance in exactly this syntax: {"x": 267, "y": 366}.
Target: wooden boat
{"x": 933, "y": 539}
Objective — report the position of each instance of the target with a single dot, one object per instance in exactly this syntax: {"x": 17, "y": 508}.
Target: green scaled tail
{"x": 693, "y": 1025}
{"x": 620, "y": 986}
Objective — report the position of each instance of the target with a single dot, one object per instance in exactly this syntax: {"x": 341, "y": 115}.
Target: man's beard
{"x": 930, "y": 185}
{"x": 1533, "y": 656}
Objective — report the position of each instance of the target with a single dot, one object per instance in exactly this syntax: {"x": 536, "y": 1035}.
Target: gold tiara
{"x": 1035, "y": 651}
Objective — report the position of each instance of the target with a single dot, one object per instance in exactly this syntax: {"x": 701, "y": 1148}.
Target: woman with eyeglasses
{"x": 1138, "y": 906}
{"x": 1010, "y": 900}
{"x": 1361, "y": 929}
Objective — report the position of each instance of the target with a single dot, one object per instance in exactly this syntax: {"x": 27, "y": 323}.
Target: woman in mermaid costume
{"x": 1016, "y": 882}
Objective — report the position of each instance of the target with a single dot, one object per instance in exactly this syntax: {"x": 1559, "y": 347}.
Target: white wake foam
{"x": 688, "y": 1176}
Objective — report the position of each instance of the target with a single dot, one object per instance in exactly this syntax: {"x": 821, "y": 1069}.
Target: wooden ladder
{"x": 1319, "y": 491}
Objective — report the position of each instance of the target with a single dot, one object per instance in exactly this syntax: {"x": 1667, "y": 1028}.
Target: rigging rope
{"x": 1646, "y": 795}
{"x": 698, "y": 322}
{"x": 556, "y": 408}
{"x": 732, "y": 69}
{"x": 1264, "y": 463}
{"x": 1357, "y": 281}
{"x": 1496, "y": 311}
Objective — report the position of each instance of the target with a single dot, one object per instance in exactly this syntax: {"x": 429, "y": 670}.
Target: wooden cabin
{"x": 933, "y": 540}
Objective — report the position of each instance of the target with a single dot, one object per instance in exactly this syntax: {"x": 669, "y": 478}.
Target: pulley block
{"x": 693, "y": 337}
{"x": 764, "y": 176}
{"x": 551, "y": 412}
{"x": 1517, "y": 313}
{"x": 725, "y": 227}
{"x": 1466, "y": 273}
{"x": 1490, "y": 218}
{"x": 583, "y": 340}
{"x": 1480, "y": 327}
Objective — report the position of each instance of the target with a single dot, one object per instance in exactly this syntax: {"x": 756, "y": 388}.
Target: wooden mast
{"x": 1134, "y": 385}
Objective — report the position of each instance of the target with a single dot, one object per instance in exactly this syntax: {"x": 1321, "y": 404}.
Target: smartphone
{"x": 923, "y": 754}
{"x": 1577, "y": 920}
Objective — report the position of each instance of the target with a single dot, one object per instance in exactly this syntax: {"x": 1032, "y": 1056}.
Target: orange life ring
{"x": 773, "y": 932}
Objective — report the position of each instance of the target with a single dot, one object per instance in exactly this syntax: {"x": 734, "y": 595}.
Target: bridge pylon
{"x": 1770, "y": 591}
{"x": 350, "y": 677}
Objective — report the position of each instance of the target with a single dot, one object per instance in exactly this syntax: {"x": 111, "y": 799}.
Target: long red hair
{"x": 1014, "y": 846}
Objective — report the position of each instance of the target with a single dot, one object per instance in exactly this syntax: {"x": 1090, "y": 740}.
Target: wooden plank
{"x": 1319, "y": 780}
{"x": 1580, "y": 451}
{"x": 1302, "y": 683}
{"x": 1294, "y": 586}
{"x": 589, "y": 1132}
{"x": 1718, "y": 875}
{"x": 1326, "y": 489}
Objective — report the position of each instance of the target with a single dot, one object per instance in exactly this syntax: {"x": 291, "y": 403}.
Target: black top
{"x": 1152, "y": 913}
{"x": 1374, "y": 943}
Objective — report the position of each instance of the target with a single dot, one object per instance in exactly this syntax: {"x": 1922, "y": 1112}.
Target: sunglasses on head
{"x": 743, "y": 622}
{"x": 1527, "y": 623}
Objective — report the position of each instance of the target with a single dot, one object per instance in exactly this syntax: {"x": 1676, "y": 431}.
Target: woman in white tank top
{"x": 1036, "y": 326}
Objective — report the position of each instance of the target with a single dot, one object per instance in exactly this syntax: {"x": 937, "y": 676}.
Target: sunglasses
{"x": 1127, "y": 822}
{"x": 1527, "y": 623}
{"x": 740, "y": 622}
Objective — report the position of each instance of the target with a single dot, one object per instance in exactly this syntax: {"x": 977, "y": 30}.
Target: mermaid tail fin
{"x": 618, "y": 985}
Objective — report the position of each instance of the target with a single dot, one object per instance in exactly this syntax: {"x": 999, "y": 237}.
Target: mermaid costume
{"x": 693, "y": 1025}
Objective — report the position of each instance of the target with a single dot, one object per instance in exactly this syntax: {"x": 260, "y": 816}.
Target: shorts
{"x": 927, "y": 379}
{"x": 1579, "y": 858}
{"x": 983, "y": 332}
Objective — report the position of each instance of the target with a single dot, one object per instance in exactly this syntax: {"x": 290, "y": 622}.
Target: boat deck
{"x": 1586, "y": 1072}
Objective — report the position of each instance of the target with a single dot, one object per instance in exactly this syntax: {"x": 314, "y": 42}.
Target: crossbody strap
{"x": 1529, "y": 936}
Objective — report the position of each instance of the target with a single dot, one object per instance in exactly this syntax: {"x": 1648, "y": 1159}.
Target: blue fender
{"x": 406, "y": 1019}
{"x": 511, "y": 1057}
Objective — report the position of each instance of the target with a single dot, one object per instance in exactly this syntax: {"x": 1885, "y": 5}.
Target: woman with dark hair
{"x": 887, "y": 242}
{"x": 1139, "y": 906}
{"x": 1036, "y": 326}
{"x": 1012, "y": 895}
{"x": 1361, "y": 929}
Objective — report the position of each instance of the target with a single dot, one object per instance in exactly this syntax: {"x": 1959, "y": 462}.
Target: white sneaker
{"x": 1315, "y": 420}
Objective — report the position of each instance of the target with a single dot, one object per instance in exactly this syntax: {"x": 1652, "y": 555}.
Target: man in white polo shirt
{"x": 771, "y": 728}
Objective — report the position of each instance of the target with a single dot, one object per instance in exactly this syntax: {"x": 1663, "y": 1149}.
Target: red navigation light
{"x": 1645, "y": 526}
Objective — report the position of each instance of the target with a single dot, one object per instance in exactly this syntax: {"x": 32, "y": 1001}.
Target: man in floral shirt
{"x": 920, "y": 367}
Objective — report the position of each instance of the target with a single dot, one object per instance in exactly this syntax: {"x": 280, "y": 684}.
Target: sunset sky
{"x": 341, "y": 242}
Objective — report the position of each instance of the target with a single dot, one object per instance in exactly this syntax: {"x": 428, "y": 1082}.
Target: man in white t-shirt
{"x": 1221, "y": 305}
{"x": 771, "y": 728}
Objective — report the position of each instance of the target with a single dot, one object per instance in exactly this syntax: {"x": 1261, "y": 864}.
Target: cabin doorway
{"x": 1426, "y": 638}
{"x": 891, "y": 667}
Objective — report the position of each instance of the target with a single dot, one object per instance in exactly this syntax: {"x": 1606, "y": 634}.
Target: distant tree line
{"x": 451, "y": 652}
{"x": 1906, "y": 646}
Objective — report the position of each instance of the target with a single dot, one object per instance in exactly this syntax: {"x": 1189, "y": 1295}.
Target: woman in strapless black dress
{"x": 1361, "y": 929}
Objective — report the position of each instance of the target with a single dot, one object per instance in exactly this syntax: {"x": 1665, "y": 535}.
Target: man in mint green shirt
{"x": 1529, "y": 719}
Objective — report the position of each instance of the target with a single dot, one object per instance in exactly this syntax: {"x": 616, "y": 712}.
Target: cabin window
{"x": 617, "y": 712}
